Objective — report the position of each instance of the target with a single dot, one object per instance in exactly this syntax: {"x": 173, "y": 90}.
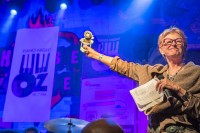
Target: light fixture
{"x": 63, "y": 6}
{"x": 13, "y": 12}
{"x": 55, "y": 5}
{"x": 17, "y": 7}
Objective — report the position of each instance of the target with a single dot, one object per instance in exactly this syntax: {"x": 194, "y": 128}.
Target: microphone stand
{"x": 70, "y": 125}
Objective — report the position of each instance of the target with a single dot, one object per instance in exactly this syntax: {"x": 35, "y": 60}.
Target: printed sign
{"x": 30, "y": 84}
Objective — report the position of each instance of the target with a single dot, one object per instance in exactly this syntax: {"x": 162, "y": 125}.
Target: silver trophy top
{"x": 88, "y": 38}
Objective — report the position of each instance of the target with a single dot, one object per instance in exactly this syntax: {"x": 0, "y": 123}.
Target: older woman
{"x": 182, "y": 113}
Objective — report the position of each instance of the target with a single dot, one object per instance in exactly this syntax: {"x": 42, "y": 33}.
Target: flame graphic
{"x": 40, "y": 20}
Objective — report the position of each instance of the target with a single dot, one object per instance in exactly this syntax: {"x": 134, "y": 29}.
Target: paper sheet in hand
{"x": 146, "y": 96}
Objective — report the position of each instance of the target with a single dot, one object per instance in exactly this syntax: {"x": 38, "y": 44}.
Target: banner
{"x": 108, "y": 97}
{"x": 30, "y": 84}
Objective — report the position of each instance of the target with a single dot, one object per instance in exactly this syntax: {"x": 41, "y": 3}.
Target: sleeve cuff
{"x": 113, "y": 62}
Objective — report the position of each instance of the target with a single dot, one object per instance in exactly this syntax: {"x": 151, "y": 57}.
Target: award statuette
{"x": 87, "y": 40}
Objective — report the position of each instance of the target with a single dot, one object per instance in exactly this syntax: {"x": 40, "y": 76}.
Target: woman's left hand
{"x": 165, "y": 83}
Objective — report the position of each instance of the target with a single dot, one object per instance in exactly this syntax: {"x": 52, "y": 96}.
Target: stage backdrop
{"x": 119, "y": 28}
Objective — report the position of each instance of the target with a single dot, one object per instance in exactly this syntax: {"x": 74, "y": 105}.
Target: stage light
{"x": 13, "y": 12}
{"x": 63, "y": 6}
{"x": 20, "y": 6}
{"x": 55, "y": 5}
{"x": 60, "y": 14}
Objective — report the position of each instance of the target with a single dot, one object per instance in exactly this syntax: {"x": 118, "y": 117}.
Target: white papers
{"x": 146, "y": 96}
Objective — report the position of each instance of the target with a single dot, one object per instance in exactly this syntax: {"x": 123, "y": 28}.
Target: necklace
{"x": 171, "y": 78}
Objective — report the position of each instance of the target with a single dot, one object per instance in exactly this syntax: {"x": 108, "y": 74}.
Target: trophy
{"x": 87, "y": 40}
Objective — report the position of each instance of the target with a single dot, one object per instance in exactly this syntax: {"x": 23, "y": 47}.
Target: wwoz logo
{"x": 31, "y": 79}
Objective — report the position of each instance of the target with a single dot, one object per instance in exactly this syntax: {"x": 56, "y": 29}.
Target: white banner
{"x": 107, "y": 97}
{"x": 30, "y": 84}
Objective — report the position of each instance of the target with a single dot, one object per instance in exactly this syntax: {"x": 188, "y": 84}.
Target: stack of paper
{"x": 146, "y": 96}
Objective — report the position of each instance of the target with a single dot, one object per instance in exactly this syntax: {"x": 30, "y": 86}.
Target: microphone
{"x": 166, "y": 91}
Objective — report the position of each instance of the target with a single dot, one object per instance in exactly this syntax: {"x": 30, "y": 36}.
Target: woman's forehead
{"x": 172, "y": 35}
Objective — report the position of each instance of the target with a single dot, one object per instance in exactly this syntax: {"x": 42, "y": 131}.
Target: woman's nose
{"x": 174, "y": 43}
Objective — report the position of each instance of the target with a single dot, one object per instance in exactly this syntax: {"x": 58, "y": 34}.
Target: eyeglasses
{"x": 168, "y": 42}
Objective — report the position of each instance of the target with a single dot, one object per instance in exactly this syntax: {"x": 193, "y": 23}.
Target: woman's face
{"x": 172, "y": 46}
